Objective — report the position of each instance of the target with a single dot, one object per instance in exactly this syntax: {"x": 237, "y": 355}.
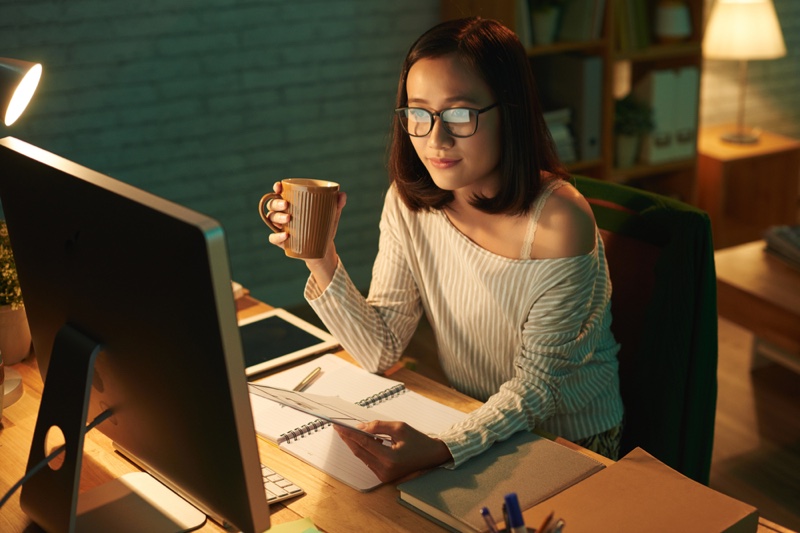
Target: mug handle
{"x": 262, "y": 204}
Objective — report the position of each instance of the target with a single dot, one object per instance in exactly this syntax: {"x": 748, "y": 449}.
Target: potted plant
{"x": 15, "y": 335}
{"x": 545, "y": 15}
{"x": 632, "y": 120}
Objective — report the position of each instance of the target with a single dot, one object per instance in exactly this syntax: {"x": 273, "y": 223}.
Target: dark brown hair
{"x": 496, "y": 55}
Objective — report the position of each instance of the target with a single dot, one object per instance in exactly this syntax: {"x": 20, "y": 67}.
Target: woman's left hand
{"x": 410, "y": 451}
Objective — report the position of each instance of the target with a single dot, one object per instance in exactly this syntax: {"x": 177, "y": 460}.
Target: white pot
{"x": 627, "y": 150}
{"x": 15, "y": 335}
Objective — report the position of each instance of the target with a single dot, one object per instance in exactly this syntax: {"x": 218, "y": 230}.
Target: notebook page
{"x": 421, "y": 413}
{"x": 338, "y": 378}
{"x": 325, "y": 450}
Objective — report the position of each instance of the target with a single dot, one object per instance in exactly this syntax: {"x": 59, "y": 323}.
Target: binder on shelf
{"x": 686, "y": 110}
{"x": 673, "y": 95}
{"x": 658, "y": 88}
{"x": 576, "y": 81}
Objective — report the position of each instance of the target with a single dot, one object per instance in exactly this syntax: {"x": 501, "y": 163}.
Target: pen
{"x": 307, "y": 380}
{"x": 514, "y": 522}
{"x": 487, "y": 517}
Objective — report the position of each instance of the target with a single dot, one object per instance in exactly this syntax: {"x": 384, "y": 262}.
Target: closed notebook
{"x": 640, "y": 493}
{"x": 314, "y": 441}
{"x": 534, "y": 467}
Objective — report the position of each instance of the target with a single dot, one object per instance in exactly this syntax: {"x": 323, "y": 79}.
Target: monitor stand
{"x": 134, "y": 501}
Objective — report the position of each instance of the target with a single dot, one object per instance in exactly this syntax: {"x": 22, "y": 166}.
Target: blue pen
{"x": 490, "y": 523}
{"x": 514, "y": 521}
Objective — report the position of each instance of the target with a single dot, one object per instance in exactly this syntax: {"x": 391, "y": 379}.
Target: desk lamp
{"x": 743, "y": 30}
{"x": 18, "y": 82}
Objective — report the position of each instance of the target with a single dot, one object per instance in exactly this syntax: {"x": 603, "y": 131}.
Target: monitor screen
{"x": 135, "y": 292}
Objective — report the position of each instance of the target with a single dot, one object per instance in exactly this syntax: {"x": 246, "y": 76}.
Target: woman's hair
{"x": 496, "y": 55}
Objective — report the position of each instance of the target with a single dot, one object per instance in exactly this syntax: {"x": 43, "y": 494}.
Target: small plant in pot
{"x": 632, "y": 120}
{"x": 15, "y": 336}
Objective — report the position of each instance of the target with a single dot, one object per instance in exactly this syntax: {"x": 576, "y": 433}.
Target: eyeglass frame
{"x": 434, "y": 115}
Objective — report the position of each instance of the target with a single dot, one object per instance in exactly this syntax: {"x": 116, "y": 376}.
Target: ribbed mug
{"x": 311, "y": 208}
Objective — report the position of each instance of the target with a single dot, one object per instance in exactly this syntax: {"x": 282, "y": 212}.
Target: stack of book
{"x": 783, "y": 242}
{"x": 558, "y": 122}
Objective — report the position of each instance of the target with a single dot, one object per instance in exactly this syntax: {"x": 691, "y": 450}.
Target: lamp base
{"x": 740, "y": 137}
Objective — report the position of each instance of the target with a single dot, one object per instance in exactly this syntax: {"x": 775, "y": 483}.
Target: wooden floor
{"x": 756, "y": 455}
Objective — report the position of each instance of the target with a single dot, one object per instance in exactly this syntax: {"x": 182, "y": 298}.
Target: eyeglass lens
{"x": 460, "y": 122}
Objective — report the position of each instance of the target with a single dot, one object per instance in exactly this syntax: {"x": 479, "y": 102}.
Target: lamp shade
{"x": 743, "y": 29}
{"x": 18, "y": 82}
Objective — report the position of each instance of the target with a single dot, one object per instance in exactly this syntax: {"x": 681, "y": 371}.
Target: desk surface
{"x": 760, "y": 293}
{"x": 332, "y": 505}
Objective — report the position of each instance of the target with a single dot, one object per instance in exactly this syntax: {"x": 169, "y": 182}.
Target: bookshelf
{"x": 624, "y": 62}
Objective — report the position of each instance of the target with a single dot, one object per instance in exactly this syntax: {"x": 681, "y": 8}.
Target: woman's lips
{"x": 442, "y": 163}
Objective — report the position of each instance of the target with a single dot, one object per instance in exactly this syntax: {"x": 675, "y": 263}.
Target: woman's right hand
{"x": 322, "y": 269}
{"x": 276, "y": 212}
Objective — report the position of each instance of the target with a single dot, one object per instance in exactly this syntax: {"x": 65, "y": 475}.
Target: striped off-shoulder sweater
{"x": 528, "y": 337}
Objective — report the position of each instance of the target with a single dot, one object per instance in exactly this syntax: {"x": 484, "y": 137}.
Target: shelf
{"x": 579, "y": 166}
{"x": 622, "y": 175}
{"x": 594, "y": 46}
{"x": 620, "y": 71}
{"x": 663, "y": 51}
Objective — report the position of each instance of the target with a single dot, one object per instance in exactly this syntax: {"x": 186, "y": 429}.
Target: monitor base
{"x": 136, "y": 502}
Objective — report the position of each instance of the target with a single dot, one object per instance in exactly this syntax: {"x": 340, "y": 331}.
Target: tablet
{"x": 277, "y": 337}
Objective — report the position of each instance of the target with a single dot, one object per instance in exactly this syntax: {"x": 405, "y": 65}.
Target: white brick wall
{"x": 207, "y": 102}
{"x": 773, "y": 87}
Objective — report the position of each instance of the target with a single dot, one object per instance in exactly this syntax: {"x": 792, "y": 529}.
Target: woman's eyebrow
{"x": 448, "y": 101}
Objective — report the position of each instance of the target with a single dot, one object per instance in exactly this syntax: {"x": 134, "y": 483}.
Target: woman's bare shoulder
{"x": 566, "y": 226}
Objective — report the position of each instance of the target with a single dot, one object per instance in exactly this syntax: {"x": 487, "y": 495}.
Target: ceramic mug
{"x": 311, "y": 205}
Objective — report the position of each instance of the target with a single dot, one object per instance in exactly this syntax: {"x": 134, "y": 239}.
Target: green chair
{"x": 661, "y": 262}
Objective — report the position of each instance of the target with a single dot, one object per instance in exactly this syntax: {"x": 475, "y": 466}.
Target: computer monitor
{"x": 130, "y": 307}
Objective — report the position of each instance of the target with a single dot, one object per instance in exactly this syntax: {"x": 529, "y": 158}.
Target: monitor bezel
{"x": 112, "y": 261}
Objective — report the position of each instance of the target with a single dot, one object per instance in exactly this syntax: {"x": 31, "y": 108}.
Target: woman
{"x": 480, "y": 231}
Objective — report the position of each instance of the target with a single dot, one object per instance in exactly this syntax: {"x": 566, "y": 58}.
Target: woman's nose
{"x": 438, "y": 137}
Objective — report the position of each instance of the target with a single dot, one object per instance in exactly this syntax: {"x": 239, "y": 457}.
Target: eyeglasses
{"x": 457, "y": 121}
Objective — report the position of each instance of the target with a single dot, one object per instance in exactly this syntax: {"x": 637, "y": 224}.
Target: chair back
{"x": 661, "y": 263}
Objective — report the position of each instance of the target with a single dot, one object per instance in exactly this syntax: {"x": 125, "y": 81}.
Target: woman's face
{"x": 464, "y": 165}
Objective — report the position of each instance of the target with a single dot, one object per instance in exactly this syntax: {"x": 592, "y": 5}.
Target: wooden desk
{"x": 746, "y": 188}
{"x": 762, "y": 294}
{"x": 333, "y": 506}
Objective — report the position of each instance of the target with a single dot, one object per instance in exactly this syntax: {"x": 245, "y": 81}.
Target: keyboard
{"x": 277, "y": 487}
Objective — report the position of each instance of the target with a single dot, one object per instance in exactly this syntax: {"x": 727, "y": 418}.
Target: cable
{"x": 100, "y": 418}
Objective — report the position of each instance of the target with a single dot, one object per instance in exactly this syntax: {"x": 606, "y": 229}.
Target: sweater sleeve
{"x": 374, "y": 330}
{"x": 560, "y": 334}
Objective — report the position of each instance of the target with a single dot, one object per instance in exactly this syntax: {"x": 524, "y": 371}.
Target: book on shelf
{"x": 312, "y": 439}
{"x": 581, "y": 20}
{"x": 532, "y": 466}
{"x": 632, "y": 22}
{"x": 783, "y": 242}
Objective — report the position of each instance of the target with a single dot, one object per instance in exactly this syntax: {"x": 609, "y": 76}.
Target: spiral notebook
{"x": 314, "y": 441}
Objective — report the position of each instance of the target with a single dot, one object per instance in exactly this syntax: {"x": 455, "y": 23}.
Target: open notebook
{"x": 315, "y": 442}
